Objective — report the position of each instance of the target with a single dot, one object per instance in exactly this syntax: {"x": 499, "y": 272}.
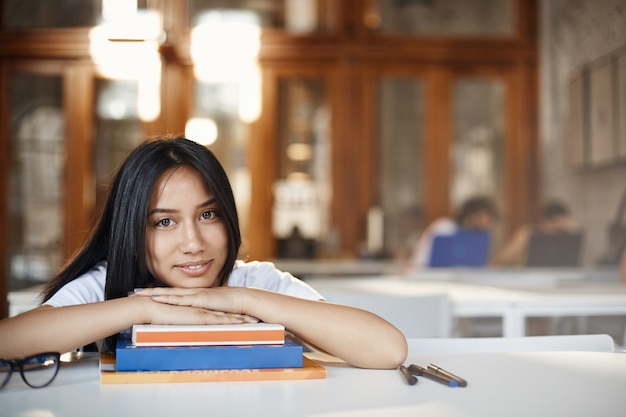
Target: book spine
{"x": 159, "y": 358}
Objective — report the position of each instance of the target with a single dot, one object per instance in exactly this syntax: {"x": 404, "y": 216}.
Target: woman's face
{"x": 186, "y": 241}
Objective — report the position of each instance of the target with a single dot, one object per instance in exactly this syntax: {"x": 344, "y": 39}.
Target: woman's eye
{"x": 209, "y": 215}
{"x": 164, "y": 222}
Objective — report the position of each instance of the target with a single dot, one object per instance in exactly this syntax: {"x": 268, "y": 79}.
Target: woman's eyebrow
{"x": 161, "y": 210}
{"x": 210, "y": 201}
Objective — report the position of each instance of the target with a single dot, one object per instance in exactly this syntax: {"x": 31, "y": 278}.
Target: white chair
{"x": 415, "y": 316}
{"x": 589, "y": 343}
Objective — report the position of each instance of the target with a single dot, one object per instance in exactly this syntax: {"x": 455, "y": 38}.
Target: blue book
{"x": 182, "y": 358}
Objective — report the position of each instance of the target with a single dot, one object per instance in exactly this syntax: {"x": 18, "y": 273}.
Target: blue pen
{"x": 438, "y": 370}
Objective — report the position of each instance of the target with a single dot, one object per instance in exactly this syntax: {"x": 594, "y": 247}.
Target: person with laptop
{"x": 477, "y": 213}
{"x": 555, "y": 231}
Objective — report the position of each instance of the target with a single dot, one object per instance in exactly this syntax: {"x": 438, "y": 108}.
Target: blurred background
{"x": 345, "y": 126}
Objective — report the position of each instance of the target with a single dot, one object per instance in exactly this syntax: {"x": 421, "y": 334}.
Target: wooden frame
{"x": 577, "y": 123}
{"x": 620, "y": 105}
{"x": 601, "y": 131}
{"x": 597, "y": 112}
{"x": 5, "y": 172}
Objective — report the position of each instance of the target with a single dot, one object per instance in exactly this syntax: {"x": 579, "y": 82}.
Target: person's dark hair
{"x": 119, "y": 236}
{"x": 554, "y": 209}
{"x": 474, "y": 205}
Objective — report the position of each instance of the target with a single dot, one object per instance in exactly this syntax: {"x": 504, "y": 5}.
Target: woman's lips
{"x": 194, "y": 269}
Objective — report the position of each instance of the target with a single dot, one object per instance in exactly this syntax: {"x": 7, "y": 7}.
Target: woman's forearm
{"x": 357, "y": 336}
{"x": 63, "y": 329}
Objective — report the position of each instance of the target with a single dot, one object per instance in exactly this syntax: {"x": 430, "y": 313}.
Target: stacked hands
{"x": 219, "y": 305}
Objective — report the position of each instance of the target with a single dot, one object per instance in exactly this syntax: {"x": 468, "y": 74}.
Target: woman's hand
{"x": 195, "y": 306}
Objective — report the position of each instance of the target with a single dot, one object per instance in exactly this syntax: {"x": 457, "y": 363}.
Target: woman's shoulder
{"x": 254, "y": 269}
{"x": 265, "y": 275}
{"x": 87, "y": 288}
{"x": 97, "y": 273}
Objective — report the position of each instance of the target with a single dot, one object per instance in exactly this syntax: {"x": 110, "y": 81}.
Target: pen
{"x": 438, "y": 370}
{"x": 410, "y": 378}
{"x": 427, "y": 373}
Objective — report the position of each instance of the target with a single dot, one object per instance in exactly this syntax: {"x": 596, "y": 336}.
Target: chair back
{"x": 587, "y": 342}
{"x": 414, "y": 315}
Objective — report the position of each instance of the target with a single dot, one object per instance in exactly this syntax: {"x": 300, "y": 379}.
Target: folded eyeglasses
{"x": 37, "y": 371}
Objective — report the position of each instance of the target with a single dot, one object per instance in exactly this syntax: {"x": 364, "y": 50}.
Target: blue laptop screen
{"x": 464, "y": 248}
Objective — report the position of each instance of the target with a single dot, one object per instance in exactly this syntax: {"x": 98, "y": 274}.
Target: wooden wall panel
{"x": 4, "y": 186}
{"x": 80, "y": 198}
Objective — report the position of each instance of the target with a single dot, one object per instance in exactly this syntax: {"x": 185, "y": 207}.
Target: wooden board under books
{"x": 108, "y": 375}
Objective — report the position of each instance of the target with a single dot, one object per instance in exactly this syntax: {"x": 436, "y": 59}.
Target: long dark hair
{"x": 119, "y": 236}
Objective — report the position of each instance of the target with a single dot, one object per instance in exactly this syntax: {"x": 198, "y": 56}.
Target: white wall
{"x": 572, "y": 33}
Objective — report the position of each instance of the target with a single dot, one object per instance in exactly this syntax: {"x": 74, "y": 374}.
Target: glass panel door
{"x": 439, "y": 139}
{"x": 302, "y": 190}
{"x": 401, "y": 151}
{"x": 477, "y": 153}
{"x": 37, "y": 149}
{"x": 118, "y": 129}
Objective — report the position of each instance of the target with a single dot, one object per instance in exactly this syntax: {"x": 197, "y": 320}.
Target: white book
{"x": 208, "y": 334}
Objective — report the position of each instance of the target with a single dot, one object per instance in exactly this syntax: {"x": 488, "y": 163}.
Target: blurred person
{"x": 556, "y": 218}
{"x": 476, "y": 213}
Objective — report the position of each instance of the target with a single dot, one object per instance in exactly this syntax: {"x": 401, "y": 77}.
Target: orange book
{"x": 108, "y": 375}
{"x": 209, "y": 334}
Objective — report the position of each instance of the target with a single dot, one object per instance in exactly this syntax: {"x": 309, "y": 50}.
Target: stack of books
{"x": 172, "y": 353}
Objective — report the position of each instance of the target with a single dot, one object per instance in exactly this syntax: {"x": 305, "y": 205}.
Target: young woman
{"x": 165, "y": 252}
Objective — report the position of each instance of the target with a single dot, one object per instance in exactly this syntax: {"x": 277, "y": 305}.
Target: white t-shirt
{"x": 89, "y": 287}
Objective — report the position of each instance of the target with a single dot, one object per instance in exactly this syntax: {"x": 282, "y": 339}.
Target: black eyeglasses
{"x": 37, "y": 370}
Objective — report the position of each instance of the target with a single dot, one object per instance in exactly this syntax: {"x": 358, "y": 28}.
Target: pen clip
{"x": 430, "y": 374}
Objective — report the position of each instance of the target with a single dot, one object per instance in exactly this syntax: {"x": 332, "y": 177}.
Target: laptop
{"x": 554, "y": 250}
{"x": 464, "y": 248}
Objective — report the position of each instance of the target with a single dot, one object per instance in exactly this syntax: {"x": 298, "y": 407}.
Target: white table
{"x": 306, "y": 268}
{"x": 515, "y": 277}
{"x": 500, "y": 384}
{"x": 513, "y": 305}
{"x": 578, "y": 301}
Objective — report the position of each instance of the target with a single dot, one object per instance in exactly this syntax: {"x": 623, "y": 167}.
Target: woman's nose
{"x": 191, "y": 239}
